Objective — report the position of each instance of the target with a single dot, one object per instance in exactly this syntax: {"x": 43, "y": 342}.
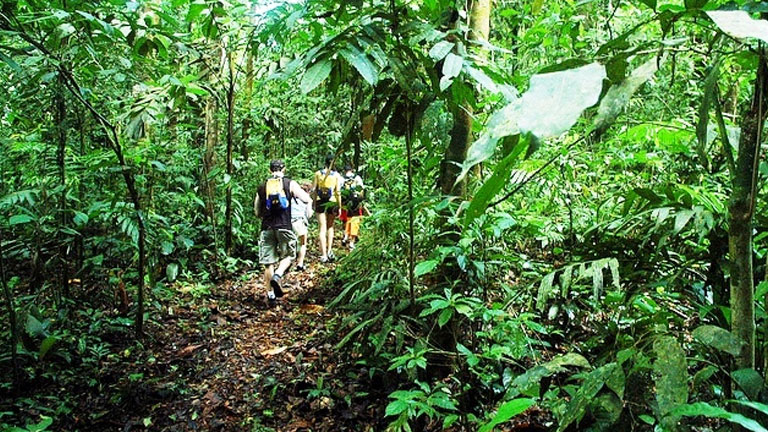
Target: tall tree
{"x": 461, "y": 132}
{"x": 741, "y": 212}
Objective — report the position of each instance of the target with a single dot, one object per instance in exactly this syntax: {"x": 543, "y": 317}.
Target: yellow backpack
{"x": 326, "y": 183}
{"x": 276, "y": 198}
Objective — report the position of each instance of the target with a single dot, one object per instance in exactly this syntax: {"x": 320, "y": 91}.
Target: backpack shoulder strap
{"x": 287, "y": 187}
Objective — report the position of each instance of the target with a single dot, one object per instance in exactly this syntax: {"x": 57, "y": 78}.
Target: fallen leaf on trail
{"x": 311, "y": 308}
{"x": 274, "y": 351}
{"x": 188, "y": 350}
{"x": 298, "y": 424}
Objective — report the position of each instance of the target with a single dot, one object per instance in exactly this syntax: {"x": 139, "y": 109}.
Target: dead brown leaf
{"x": 274, "y": 351}
{"x": 188, "y": 350}
{"x": 311, "y": 308}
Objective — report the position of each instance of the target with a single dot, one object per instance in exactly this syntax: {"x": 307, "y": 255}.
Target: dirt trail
{"x": 226, "y": 361}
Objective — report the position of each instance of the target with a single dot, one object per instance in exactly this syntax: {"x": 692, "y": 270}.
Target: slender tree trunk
{"x": 79, "y": 242}
{"x": 61, "y": 138}
{"x": 411, "y": 235}
{"x": 209, "y": 156}
{"x": 741, "y": 208}
{"x": 461, "y": 133}
{"x": 247, "y": 124}
{"x": 230, "y": 170}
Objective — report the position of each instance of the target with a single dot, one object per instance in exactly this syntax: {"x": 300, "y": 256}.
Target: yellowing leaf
{"x": 274, "y": 351}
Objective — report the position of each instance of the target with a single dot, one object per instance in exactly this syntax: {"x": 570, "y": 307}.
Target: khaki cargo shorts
{"x": 299, "y": 226}
{"x": 275, "y": 245}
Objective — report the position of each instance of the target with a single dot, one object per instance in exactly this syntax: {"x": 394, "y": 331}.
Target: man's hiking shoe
{"x": 275, "y": 284}
{"x": 323, "y": 259}
{"x": 344, "y": 241}
{"x": 331, "y": 257}
{"x": 300, "y": 268}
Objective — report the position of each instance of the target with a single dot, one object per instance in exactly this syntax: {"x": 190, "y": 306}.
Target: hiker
{"x": 277, "y": 242}
{"x": 351, "y": 194}
{"x": 300, "y": 214}
{"x": 327, "y": 196}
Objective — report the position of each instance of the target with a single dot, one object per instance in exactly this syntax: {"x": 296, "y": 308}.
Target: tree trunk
{"x": 61, "y": 138}
{"x": 79, "y": 242}
{"x": 209, "y": 156}
{"x": 366, "y": 135}
{"x": 461, "y": 133}
{"x": 740, "y": 214}
{"x": 247, "y": 124}
{"x": 230, "y": 171}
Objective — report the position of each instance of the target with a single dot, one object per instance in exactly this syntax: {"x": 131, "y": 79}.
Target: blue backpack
{"x": 276, "y": 198}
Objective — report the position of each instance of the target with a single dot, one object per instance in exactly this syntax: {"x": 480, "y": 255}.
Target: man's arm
{"x": 314, "y": 187}
{"x": 299, "y": 193}
{"x": 256, "y": 205}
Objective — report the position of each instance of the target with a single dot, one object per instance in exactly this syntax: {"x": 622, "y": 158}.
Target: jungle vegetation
{"x": 568, "y": 231}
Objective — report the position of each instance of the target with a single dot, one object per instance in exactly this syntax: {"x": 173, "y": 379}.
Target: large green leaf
{"x": 554, "y": 101}
{"x": 440, "y": 50}
{"x": 360, "y": 61}
{"x": 718, "y": 338}
{"x": 671, "y": 379}
{"x": 618, "y": 96}
{"x": 452, "y": 65}
{"x": 46, "y": 346}
{"x": 710, "y": 411}
{"x": 494, "y": 184}
{"x": 507, "y": 411}
{"x": 9, "y": 61}
{"x": 749, "y": 381}
{"x": 550, "y": 107}
{"x": 706, "y": 102}
{"x": 532, "y": 377}
{"x": 315, "y": 75}
{"x": 425, "y": 267}
{"x": 20, "y": 219}
{"x": 592, "y": 384}
{"x": 740, "y": 25}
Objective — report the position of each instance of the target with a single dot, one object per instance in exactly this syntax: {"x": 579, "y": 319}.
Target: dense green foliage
{"x": 586, "y": 270}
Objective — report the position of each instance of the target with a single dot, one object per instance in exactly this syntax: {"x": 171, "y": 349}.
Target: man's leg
{"x": 322, "y": 221}
{"x": 268, "y": 258}
{"x": 286, "y": 250}
{"x": 283, "y": 265}
{"x": 268, "y": 272}
{"x": 302, "y": 249}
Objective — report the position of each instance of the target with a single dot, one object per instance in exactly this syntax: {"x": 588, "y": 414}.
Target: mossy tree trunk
{"x": 230, "y": 148}
{"x": 461, "y": 132}
{"x": 741, "y": 207}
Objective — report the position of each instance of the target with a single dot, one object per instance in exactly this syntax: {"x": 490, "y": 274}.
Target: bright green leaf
{"x": 507, "y": 411}
{"x": 718, "y": 338}
{"x": 710, "y": 411}
{"x": 20, "y": 219}
{"x": 316, "y": 74}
